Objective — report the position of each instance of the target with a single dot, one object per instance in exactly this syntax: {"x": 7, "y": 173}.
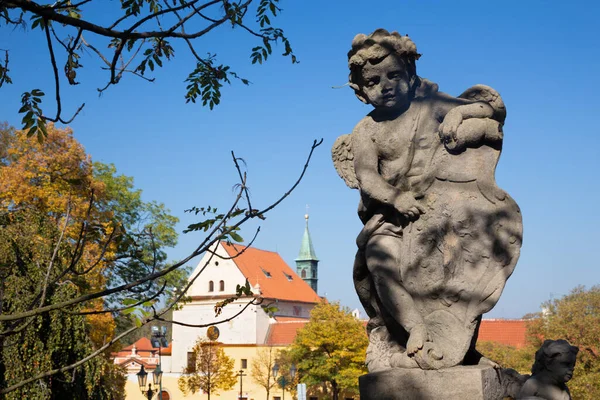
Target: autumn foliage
{"x": 54, "y": 245}
{"x": 210, "y": 371}
{"x": 331, "y": 349}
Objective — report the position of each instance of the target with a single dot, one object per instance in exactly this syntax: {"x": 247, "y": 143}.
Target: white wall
{"x": 286, "y": 309}
{"x": 241, "y": 330}
{"x": 216, "y": 270}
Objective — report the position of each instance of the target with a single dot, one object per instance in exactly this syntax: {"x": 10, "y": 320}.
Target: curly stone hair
{"x": 374, "y": 48}
{"x": 549, "y": 351}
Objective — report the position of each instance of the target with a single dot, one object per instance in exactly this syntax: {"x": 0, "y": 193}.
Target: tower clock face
{"x": 212, "y": 333}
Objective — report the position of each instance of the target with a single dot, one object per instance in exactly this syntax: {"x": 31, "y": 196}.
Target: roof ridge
{"x": 246, "y": 247}
{"x": 291, "y": 322}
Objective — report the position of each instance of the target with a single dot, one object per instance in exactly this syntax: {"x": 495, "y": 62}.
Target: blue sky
{"x": 543, "y": 57}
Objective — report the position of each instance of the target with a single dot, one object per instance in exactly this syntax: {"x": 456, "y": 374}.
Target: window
{"x": 313, "y": 398}
{"x": 289, "y": 277}
{"x": 279, "y": 398}
{"x": 297, "y": 311}
{"x": 244, "y": 363}
{"x": 267, "y": 273}
{"x": 221, "y": 286}
{"x": 303, "y": 273}
{"x": 191, "y": 362}
{"x": 211, "y": 286}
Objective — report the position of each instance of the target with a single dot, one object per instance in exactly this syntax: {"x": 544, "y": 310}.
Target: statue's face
{"x": 562, "y": 367}
{"x": 386, "y": 84}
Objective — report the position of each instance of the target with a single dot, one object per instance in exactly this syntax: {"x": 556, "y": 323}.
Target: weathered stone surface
{"x": 456, "y": 383}
{"x": 440, "y": 238}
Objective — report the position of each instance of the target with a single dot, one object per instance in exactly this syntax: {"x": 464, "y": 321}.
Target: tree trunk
{"x": 335, "y": 390}
{"x": 267, "y": 394}
{"x": 208, "y": 394}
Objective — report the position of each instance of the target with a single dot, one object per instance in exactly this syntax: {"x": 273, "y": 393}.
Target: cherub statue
{"x": 553, "y": 367}
{"x": 439, "y": 238}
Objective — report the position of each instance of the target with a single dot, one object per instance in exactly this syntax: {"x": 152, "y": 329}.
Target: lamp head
{"x": 142, "y": 376}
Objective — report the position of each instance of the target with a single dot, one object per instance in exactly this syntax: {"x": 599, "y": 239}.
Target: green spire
{"x": 307, "y": 263}
{"x": 307, "y": 252}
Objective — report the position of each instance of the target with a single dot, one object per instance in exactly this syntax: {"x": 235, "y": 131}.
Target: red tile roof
{"x": 505, "y": 331}
{"x": 275, "y": 278}
{"x": 144, "y": 348}
{"x": 284, "y": 333}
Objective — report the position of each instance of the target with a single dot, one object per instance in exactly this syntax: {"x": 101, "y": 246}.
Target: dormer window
{"x": 289, "y": 277}
{"x": 221, "y": 286}
{"x": 267, "y": 273}
{"x": 211, "y": 286}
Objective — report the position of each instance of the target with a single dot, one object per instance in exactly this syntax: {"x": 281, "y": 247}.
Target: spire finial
{"x": 306, "y": 215}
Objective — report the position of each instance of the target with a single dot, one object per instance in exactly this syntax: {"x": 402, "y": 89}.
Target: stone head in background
{"x": 553, "y": 368}
{"x": 440, "y": 238}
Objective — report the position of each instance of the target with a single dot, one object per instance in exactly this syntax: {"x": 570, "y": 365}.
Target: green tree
{"x": 43, "y": 198}
{"x": 507, "y": 356}
{"x": 45, "y": 205}
{"x": 135, "y": 37}
{"x": 211, "y": 371}
{"x": 575, "y": 318}
{"x": 147, "y": 229}
{"x": 331, "y": 348}
{"x": 63, "y": 238}
{"x": 261, "y": 369}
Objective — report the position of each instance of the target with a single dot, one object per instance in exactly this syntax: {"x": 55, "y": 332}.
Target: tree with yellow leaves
{"x": 210, "y": 371}
{"x": 65, "y": 232}
{"x": 331, "y": 348}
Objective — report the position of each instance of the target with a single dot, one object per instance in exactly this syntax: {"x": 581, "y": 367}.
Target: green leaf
{"x": 236, "y": 237}
{"x": 32, "y": 131}
{"x": 129, "y": 302}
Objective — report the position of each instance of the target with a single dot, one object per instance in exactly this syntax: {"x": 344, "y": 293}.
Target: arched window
{"x": 221, "y": 286}
{"x": 303, "y": 273}
{"x": 211, "y": 286}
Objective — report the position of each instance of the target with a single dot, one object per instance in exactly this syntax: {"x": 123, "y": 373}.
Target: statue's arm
{"x": 529, "y": 389}
{"x": 371, "y": 183}
{"x": 467, "y": 123}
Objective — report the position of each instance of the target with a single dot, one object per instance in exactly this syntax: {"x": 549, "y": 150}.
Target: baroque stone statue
{"x": 552, "y": 369}
{"x": 440, "y": 238}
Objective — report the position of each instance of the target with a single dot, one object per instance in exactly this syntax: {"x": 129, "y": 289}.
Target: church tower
{"x": 307, "y": 263}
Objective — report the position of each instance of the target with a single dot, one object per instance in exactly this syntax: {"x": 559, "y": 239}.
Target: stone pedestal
{"x": 457, "y": 383}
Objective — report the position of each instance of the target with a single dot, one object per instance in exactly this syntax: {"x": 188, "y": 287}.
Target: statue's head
{"x": 558, "y": 358}
{"x": 383, "y": 69}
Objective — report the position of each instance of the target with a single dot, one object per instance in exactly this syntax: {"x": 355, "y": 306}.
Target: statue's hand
{"x": 448, "y": 129}
{"x": 408, "y": 206}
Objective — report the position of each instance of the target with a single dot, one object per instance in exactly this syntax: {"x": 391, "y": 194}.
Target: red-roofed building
{"x": 284, "y": 333}
{"x": 216, "y": 277}
{"x": 274, "y": 278}
{"x": 142, "y": 353}
{"x": 505, "y": 331}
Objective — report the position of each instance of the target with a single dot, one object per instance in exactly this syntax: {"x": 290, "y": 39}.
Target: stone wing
{"x": 343, "y": 160}
{"x": 489, "y": 95}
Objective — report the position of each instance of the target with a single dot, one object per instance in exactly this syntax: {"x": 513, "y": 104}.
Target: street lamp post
{"x": 143, "y": 376}
{"x": 241, "y": 374}
{"x": 283, "y": 382}
{"x": 159, "y": 339}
